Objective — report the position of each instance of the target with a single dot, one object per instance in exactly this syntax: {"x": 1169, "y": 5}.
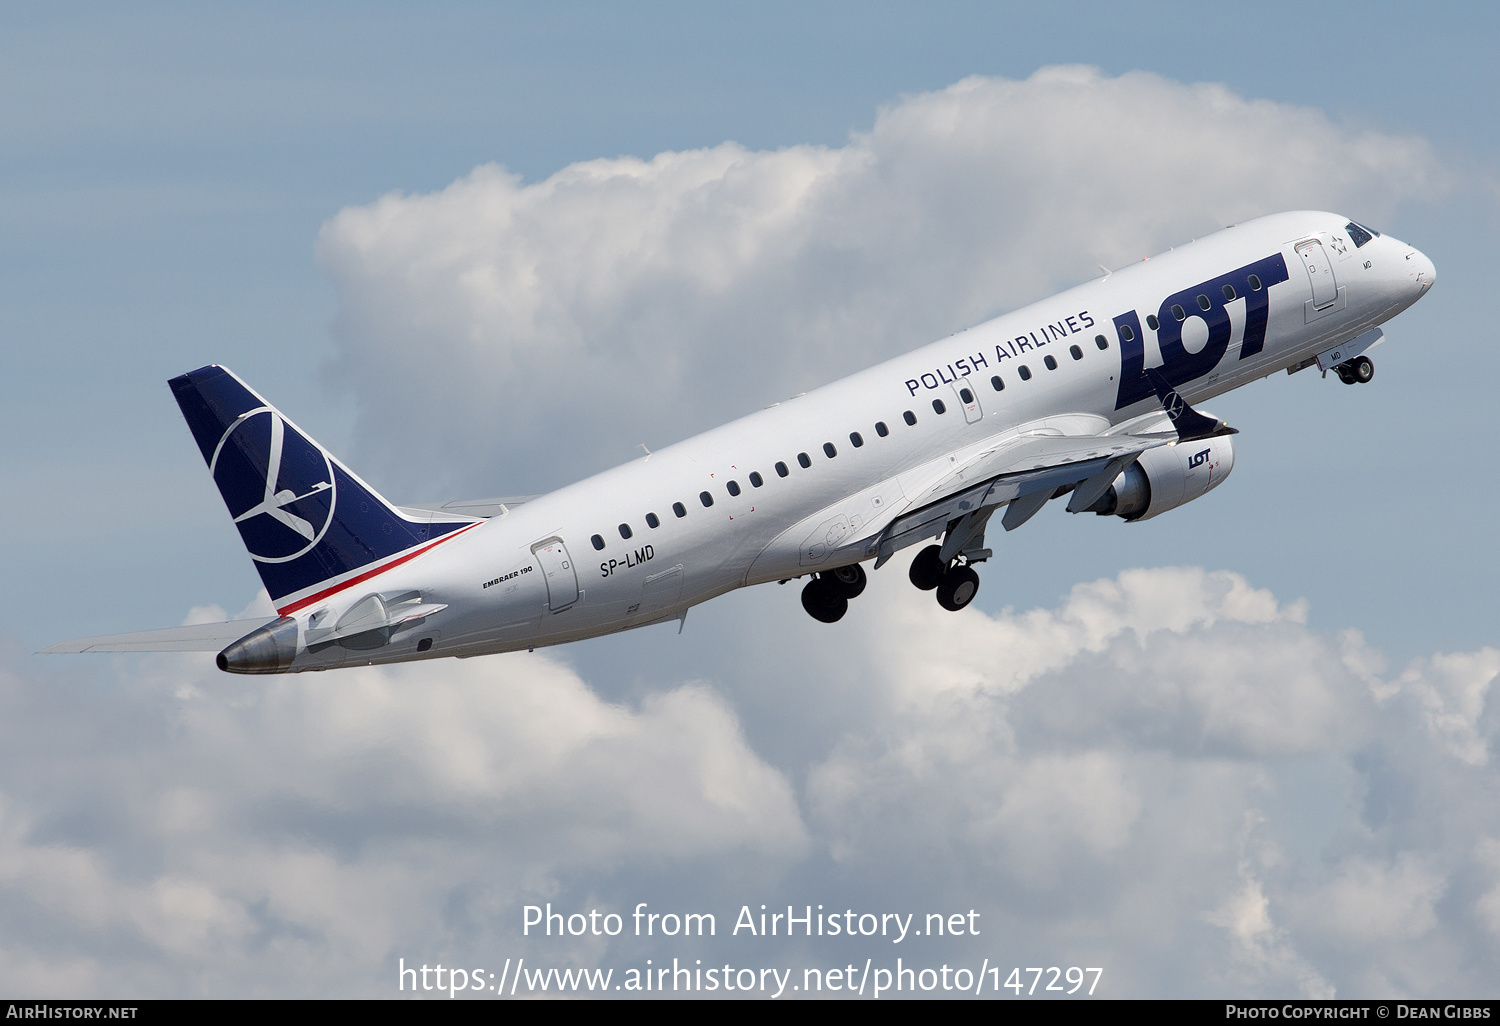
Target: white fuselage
{"x": 533, "y": 576}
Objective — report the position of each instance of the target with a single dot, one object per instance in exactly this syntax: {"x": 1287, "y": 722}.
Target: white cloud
{"x": 1122, "y": 780}
{"x": 300, "y": 828}
{"x": 1487, "y": 854}
{"x": 1110, "y": 752}
{"x": 1370, "y": 903}
{"x": 513, "y": 325}
{"x": 1263, "y": 952}
{"x": 1453, "y": 690}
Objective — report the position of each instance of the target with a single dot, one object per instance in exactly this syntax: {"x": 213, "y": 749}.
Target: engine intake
{"x": 1166, "y": 477}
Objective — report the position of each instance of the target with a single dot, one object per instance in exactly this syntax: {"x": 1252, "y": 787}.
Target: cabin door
{"x": 557, "y": 568}
{"x": 1315, "y": 259}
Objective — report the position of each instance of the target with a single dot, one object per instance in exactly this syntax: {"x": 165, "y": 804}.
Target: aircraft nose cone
{"x": 1422, "y": 270}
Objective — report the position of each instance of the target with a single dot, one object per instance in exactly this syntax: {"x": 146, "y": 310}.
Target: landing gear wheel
{"x": 958, "y": 588}
{"x": 1363, "y": 369}
{"x": 823, "y": 601}
{"x": 1346, "y": 374}
{"x": 927, "y": 569}
{"x": 848, "y": 581}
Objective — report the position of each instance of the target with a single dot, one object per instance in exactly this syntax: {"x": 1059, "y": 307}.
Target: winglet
{"x": 1190, "y": 424}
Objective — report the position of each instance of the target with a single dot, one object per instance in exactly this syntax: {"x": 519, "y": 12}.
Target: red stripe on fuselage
{"x": 351, "y": 582}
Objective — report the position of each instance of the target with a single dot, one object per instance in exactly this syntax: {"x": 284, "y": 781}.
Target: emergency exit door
{"x": 968, "y": 400}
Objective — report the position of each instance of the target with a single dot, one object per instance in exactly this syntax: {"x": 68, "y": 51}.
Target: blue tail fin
{"x": 305, "y": 518}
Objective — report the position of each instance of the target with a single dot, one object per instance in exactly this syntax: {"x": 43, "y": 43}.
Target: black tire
{"x": 1363, "y": 369}
{"x": 958, "y": 589}
{"x": 823, "y": 602}
{"x": 849, "y": 581}
{"x": 926, "y": 569}
{"x": 1346, "y": 374}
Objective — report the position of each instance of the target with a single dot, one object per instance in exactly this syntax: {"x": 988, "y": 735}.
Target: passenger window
{"x": 781, "y": 470}
{"x": 679, "y": 510}
{"x": 756, "y": 479}
{"x": 910, "y": 418}
{"x": 1254, "y": 283}
{"x": 804, "y": 460}
{"x": 1151, "y": 322}
{"x": 855, "y": 439}
{"x": 706, "y": 499}
{"x": 966, "y": 395}
{"x": 598, "y": 542}
{"x": 938, "y": 407}
{"x": 1075, "y": 352}
{"x": 1051, "y": 363}
{"x": 733, "y": 487}
{"x": 1024, "y": 371}
{"x": 998, "y": 385}
{"x": 1127, "y": 332}
{"x": 1204, "y": 304}
{"x": 1229, "y": 296}
{"x": 1101, "y": 342}
{"x": 1179, "y": 312}
{"x": 624, "y": 530}
{"x": 652, "y": 521}
{"x": 829, "y": 450}
{"x": 881, "y": 429}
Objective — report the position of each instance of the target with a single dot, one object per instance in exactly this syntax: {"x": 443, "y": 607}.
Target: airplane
{"x": 1090, "y": 394}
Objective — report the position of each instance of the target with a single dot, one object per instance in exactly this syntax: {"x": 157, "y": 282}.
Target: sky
{"x": 1242, "y": 749}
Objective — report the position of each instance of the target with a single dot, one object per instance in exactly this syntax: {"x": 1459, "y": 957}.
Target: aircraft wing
{"x": 1024, "y": 472}
{"x": 199, "y": 637}
{"x": 483, "y": 509}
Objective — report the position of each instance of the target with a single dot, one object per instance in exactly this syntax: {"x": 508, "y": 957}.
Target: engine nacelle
{"x": 1167, "y": 476}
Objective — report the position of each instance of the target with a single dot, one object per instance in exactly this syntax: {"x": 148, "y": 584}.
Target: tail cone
{"x": 269, "y": 649}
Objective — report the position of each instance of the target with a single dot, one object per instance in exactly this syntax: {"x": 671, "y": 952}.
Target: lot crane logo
{"x": 277, "y": 483}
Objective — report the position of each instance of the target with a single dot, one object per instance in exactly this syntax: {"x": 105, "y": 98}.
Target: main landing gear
{"x": 826, "y": 597}
{"x": 956, "y": 585}
{"x": 1358, "y": 371}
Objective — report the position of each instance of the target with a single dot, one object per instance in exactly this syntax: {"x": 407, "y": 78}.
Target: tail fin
{"x": 309, "y": 522}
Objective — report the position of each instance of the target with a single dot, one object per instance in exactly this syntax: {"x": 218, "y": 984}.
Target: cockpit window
{"x": 1359, "y": 233}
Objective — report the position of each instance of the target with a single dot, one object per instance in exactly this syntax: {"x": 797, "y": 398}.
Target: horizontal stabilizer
{"x": 483, "y": 509}
{"x": 198, "y": 637}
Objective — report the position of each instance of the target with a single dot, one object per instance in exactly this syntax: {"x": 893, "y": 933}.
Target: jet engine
{"x": 1166, "y": 477}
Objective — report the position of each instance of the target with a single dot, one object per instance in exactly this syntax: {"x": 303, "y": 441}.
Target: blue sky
{"x": 167, "y": 173}
{"x": 167, "y": 169}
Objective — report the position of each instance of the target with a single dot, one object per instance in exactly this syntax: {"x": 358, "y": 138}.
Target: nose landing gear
{"x": 955, "y": 585}
{"x": 1358, "y": 371}
{"x": 826, "y": 597}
